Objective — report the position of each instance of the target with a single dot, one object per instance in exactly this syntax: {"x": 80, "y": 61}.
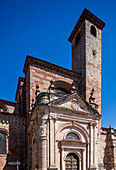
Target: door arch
{"x": 72, "y": 162}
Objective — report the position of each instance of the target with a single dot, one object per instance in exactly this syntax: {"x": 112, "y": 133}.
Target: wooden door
{"x": 72, "y": 162}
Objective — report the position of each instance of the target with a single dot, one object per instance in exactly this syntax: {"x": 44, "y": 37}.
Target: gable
{"x": 73, "y": 102}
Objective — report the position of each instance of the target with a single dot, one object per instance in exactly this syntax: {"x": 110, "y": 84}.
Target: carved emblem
{"x": 75, "y": 104}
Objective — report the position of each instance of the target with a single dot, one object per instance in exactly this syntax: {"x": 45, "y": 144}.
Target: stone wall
{"x": 93, "y": 63}
{"x": 86, "y": 59}
{"x": 14, "y": 127}
{"x": 78, "y": 57}
{"x": 47, "y": 131}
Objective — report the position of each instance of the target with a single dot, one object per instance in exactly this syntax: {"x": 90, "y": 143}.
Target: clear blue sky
{"x": 40, "y": 28}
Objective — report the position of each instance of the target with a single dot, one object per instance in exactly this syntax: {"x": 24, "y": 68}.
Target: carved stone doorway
{"x": 72, "y": 162}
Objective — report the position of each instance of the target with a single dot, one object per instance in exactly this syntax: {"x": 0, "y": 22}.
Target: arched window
{"x": 93, "y": 31}
{"x": 72, "y": 136}
{"x": 60, "y": 87}
{"x": 2, "y": 143}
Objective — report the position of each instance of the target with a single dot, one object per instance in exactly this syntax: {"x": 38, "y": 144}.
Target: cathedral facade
{"x": 55, "y": 123}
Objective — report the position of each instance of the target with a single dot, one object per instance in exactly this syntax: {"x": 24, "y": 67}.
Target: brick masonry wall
{"x": 84, "y": 62}
{"x": 42, "y": 77}
{"x": 93, "y": 63}
{"x": 78, "y": 59}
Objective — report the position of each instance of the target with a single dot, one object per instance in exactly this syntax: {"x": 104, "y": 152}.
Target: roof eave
{"x": 31, "y": 60}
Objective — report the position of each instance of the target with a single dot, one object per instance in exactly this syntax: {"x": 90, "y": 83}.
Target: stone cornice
{"x": 90, "y": 17}
{"x": 61, "y": 109}
{"x": 70, "y": 141}
{"x": 44, "y": 64}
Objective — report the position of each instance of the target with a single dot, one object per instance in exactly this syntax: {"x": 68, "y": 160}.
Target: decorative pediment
{"x": 72, "y": 102}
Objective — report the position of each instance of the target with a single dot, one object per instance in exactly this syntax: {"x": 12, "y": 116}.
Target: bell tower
{"x": 86, "y": 56}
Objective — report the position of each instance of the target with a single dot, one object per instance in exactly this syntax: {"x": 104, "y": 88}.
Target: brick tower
{"x": 86, "y": 56}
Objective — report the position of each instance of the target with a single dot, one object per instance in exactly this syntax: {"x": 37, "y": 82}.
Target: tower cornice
{"x": 86, "y": 14}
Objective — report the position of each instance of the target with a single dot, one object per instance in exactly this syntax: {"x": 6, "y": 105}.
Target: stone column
{"x": 94, "y": 155}
{"x": 92, "y": 146}
{"x": 43, "y": 143}
{"x": 84, "y": 158}
{"x": 52, "y": 150}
